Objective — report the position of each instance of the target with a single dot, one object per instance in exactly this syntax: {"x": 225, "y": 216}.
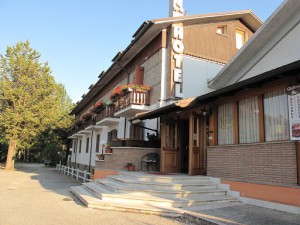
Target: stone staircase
{"x": 150, "y": 193}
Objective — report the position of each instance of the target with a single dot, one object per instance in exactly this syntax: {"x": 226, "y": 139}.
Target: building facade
{"x": 168, "y": 59}
{"x": 246, "y": 131}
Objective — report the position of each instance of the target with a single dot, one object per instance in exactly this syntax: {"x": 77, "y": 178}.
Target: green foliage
{"x": 31, "y": 102}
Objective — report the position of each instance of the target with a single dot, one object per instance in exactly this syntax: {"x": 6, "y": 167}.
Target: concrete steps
{"x": 141, "y": 192}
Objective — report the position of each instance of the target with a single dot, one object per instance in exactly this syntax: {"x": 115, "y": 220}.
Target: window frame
{"x": 235, "y": 98}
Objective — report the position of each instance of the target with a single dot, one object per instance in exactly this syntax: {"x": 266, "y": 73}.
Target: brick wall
{"x": 152, "y": 75}
{"x": 267, "y": 163}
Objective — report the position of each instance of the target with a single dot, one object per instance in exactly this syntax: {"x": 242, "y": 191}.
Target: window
{"x": 80, "y": 142}
{"x": 87, "y": 145}
{"x": 112, "y": 135}
{"x": 222, "y": 30}
{"x": 97, "y": 142}
{"x": 276, "y": 116}
{"x": 171, "y": 135}
{"x": 249, "y": 120}
{"x": 136, "y": 131}
{"x": 262, "y": 118}
{"x": 239, "y": 38}
{"x": 75, "y": 146}
{"x": 226, "y": 124}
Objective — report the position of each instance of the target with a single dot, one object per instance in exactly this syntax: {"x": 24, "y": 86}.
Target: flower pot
{"x": 108, "y": 150}
{"x": 100, "y": 157}
{"x": 131, "y": 168}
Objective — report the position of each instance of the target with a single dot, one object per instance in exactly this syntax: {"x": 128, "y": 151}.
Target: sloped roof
{"x": 149, "y": 30}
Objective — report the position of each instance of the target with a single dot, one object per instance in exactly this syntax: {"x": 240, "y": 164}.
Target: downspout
{"x": 128, "y": 76}
{"x": 91, "y": 149}
{"x": 163, "y": 68}
{"x": 76, "y": 152}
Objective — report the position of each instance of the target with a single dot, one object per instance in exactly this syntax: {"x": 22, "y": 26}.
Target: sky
{"x": 79, "y": 38}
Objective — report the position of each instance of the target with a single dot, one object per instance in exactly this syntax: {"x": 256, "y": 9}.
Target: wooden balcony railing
{"x": 80, "y": 127}
{"x": 107, "y": 111}
{"x": 89, "y": 122}
{"x": 132, "y": 97}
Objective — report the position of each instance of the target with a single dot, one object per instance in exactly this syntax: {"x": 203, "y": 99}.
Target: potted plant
{"x": 129, "y": 166}
{"x": 100, "y": 156}
{"x": 106, "y": 147}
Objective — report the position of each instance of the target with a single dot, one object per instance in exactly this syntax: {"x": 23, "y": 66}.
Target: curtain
{"x": 226, "y": 124}
{"x": 276, "y": 115}
{"x": 249, "y": 120}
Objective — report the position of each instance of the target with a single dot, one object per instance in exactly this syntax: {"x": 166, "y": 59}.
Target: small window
{"x": 239, "y": 38}
{"x": 221, "y": 30}
{"x": 98, "y": 143}
{"x": 87, "y": 145}
{"x": 75, "y": 146}
{"x": 80, "y": 142}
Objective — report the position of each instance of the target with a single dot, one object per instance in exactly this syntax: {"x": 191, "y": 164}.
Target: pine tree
{"x": 30, "y": 99}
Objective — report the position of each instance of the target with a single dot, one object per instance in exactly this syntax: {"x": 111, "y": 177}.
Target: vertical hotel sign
{"x": 177, "y": 48}
{"x": 294, "y": 111}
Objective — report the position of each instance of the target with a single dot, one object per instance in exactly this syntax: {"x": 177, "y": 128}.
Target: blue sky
{"x": 78, "y": 38}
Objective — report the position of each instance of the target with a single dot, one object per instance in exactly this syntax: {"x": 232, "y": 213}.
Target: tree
{"x": 30, "y": 99}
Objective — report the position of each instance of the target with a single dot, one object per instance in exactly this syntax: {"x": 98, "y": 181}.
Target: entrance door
{"x": 197, "y": 144}
{"x": 170, "y": 151}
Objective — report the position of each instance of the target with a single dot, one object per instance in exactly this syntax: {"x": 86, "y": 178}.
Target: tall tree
{"x": 30, "y": 99}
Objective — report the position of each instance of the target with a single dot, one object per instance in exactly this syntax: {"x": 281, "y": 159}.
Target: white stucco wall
{"x": 281, "y": 50}
{"x": 196, "y": 72}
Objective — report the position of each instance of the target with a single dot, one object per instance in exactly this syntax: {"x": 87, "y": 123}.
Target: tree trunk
{"x": 10, "y": 161}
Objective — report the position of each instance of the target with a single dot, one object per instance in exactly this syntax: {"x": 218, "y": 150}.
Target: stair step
{"x": 162, "y": 186}
{"x": 119, "y": 188}
{"x": 142, "y": 193}
{"x": 92, "y": 201}
{"x": 162, "y": 178}
{"x": 158, "y": 200}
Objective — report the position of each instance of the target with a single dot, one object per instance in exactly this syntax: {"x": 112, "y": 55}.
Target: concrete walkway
{"x": 38, "y": 195}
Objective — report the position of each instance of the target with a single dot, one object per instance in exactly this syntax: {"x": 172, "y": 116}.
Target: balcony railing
{"x": 80, "y": 127}
{"x": 107, "y": 111}
{"x": 89, "y": 122}
{"x": 132, "y": 97}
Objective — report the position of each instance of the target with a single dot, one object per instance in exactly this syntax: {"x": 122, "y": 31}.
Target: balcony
{"x": 90, "y": 124}
{"x": 105, "y": 116}
{"x": 131, "y": 103}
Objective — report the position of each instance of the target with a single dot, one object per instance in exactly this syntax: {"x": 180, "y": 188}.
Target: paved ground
{"x": 38, "y": 195}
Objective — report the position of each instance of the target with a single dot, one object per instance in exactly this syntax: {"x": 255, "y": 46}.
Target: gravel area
{"x": 34, "y": 194}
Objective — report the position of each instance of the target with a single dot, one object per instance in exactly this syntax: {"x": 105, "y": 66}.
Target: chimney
{"x": 176, "y": 8}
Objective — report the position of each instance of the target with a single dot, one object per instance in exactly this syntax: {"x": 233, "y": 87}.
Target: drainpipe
{"x": 91, "y": 149}
{"x": 128, "y": 76}
{"x": 163, "y": 68}
{"x": 76, "y": 152}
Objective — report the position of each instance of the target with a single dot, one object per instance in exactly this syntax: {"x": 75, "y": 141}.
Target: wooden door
{"x": 170, "y": 151}
{"x": 197, "y": 144}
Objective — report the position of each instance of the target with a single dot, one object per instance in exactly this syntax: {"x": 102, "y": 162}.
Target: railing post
{"x": 77, "y": 173}
{"x": 84, "y": 175}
